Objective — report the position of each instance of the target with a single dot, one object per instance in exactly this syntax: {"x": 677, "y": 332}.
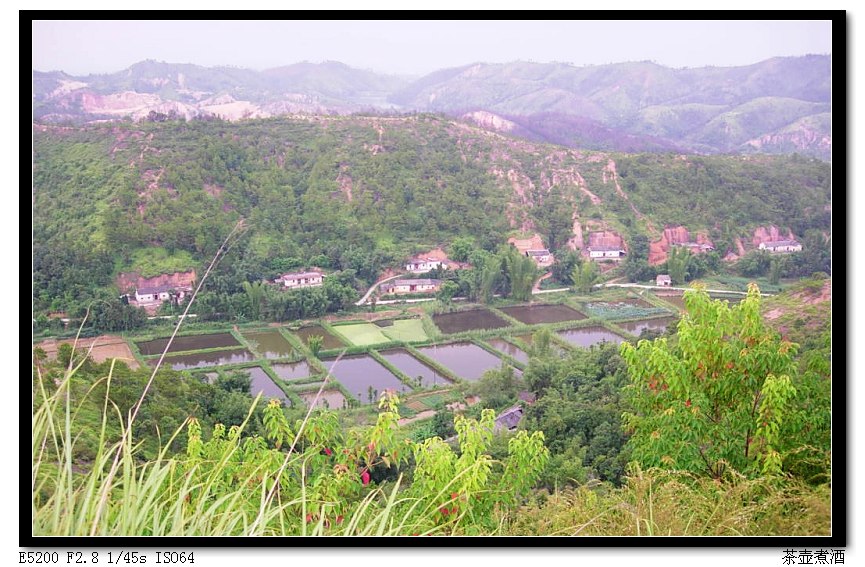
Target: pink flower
{"x": 364, "y": 477}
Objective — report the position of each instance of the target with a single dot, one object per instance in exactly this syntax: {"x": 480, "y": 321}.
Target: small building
{"x": 424, "y": 285}
{"x": 542, "y": 257}
{"x": 160, "y": 293}
{"x": 419, "y": 265}
{"x": 606, "y": 252}
{"x": 696, "y": 247}
{"x": 781, "y": 246}
{"x": 509, "y": 419}
{"x": 300, "y": 279}
{"x": 664, "y": 280}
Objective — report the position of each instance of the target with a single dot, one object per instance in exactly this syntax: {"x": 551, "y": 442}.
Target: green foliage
{"x": 717, "y": 398}
{"x": 315, "y": 342}
{"x": 585, "y": 277}
{"x": 563, "y": 267}
{"x": 497, "y": 388}
{"x": 153, "y": 261}
{"x": 677, "y": 264}
{"x": 461, "y": 248}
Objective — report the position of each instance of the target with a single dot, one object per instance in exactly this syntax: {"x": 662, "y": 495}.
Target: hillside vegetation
{"x": 360, "y": 194}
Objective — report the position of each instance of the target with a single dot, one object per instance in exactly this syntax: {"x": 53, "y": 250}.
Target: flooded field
{"x": 216, "y": 358}
{"x": 466, "y": 360}
{"x": 332, "y": 399}
{"x": 537, "y": 314}
{"x": 637, "y": 327}
{"x": 293, "y": 370}
{"x": 259, "y": 381}
{"x": 271, "y": 344}
{"x": 196, "y": 342}
{"x": 362, "y": 375}
{"x": 330, "y": 341}
{"x": 412, "y": 367}
{"x": 511, "y": 350}
{"x": 589, "y": 336}
{"x": 631, "y": 308}
{"x": 468, "y": 321}
{"x": 676, "y": 300}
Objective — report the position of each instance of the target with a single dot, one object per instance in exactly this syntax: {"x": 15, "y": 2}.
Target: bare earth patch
{"x": 100, "y": 349}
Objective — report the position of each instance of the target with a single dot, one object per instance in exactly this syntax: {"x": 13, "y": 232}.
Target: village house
{"x": 696, "y": 247}
{"x": 664, "y": 280}
{"x": 300, "y": 279}
{"x": 419, "y": 265}
{"x": 606, "y": 252}
{"x": 781, "y": 246}
{"x": 160, "y": 293}
{"x": 411, "y": 286}
{"x": 542, "y": 257}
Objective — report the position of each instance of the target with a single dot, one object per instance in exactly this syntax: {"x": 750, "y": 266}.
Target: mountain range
{"x": 780, "y": 105}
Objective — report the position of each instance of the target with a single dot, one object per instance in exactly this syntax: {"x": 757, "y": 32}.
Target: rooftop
{"x": 298, "y": 275}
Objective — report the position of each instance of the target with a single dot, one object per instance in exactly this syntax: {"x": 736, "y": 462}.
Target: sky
{"x": 417, "y": 47}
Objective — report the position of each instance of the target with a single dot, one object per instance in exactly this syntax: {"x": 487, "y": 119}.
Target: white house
{"x": 160, "y": 293}
{"x": 420, "y": 265}
{"x": 781, "y": 246}
{"x": 542, "y": 257}
{"x": 301, "y": 279}
{"x": 663, "y": 280}
{"x": 425, "y": 285}
{"x": 603, "y": 252}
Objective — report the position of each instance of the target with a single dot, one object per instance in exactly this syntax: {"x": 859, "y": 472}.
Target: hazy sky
{"x": 417, "y": 48}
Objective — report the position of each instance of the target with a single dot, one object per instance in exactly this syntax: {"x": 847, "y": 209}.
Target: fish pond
{"x": 259, "y": 381}
{"x": 271, "y": 344}
{"x": 362, "y": 375}
{"x": 637, "y": 327}
{"x": 199, "y": 360}
{"x": 511, "y": 350}
{"x": 332, "y": 399}
{"x": 537, "y": 314}
{"x": 330, "y": 341}
{"x": 475, "y": 319}
{"x": 191, "y": 342}
{"x": 466, "y": 360}
{"x": 589, "y": 336}
{"x": 412, "y": 367}
{"x": 293, "y": 370}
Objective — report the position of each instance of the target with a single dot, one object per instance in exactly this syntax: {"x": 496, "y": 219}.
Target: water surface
{"x": 412, "y": 367}
{"x": 466, "y": 360}
{"x": 270, "y": 343}
{"x": 259, "y": 381}
{"x": 468, "y": 321}
{"x": 511, "y": 350}
{"x": 537, "y": 314}
{"x": 359, "y": 373}
{"x": 192, "y": 342}
{"x": 589, "y": 336}
{"x": 330, "y": 341}
{"x": 293, "y": 370}
{"x": 215, "y": 358}
{"x": 637, "y": 327}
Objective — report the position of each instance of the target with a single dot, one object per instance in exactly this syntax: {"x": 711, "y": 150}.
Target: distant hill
{"x": 780, "y": 105}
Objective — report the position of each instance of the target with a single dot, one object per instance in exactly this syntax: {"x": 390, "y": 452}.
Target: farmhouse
{"x": 509, "y": 419}
{"x": 664, "y": 280}
{"x": 419, "y": 265}
{"x": 781, "y": 246}
{"x": 606, "y": 252}
{"x": 411, "y": 286}
{"x": 160, "y": 293}
{"x": 300, "y": 279}
{"x": 696, "y": 247}
{"x": 542, "y": 257}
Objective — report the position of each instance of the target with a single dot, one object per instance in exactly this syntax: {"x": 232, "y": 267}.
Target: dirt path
{"x": 426, "y": 414}
{"x": 372, "y": 288}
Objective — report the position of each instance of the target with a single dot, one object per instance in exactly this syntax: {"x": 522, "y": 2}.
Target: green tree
{"x": 716, "y": 399}
{"x": 585, "y": 276}
{"x": 255, "y": 292}
{"x": 461, "y": 248}
{"x": 447, "y": 292}
{"x": 563, "y": 267}
{"x": 677, "y": 264}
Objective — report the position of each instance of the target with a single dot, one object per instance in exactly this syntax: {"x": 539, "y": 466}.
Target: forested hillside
{"x": 362, "y": 194}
